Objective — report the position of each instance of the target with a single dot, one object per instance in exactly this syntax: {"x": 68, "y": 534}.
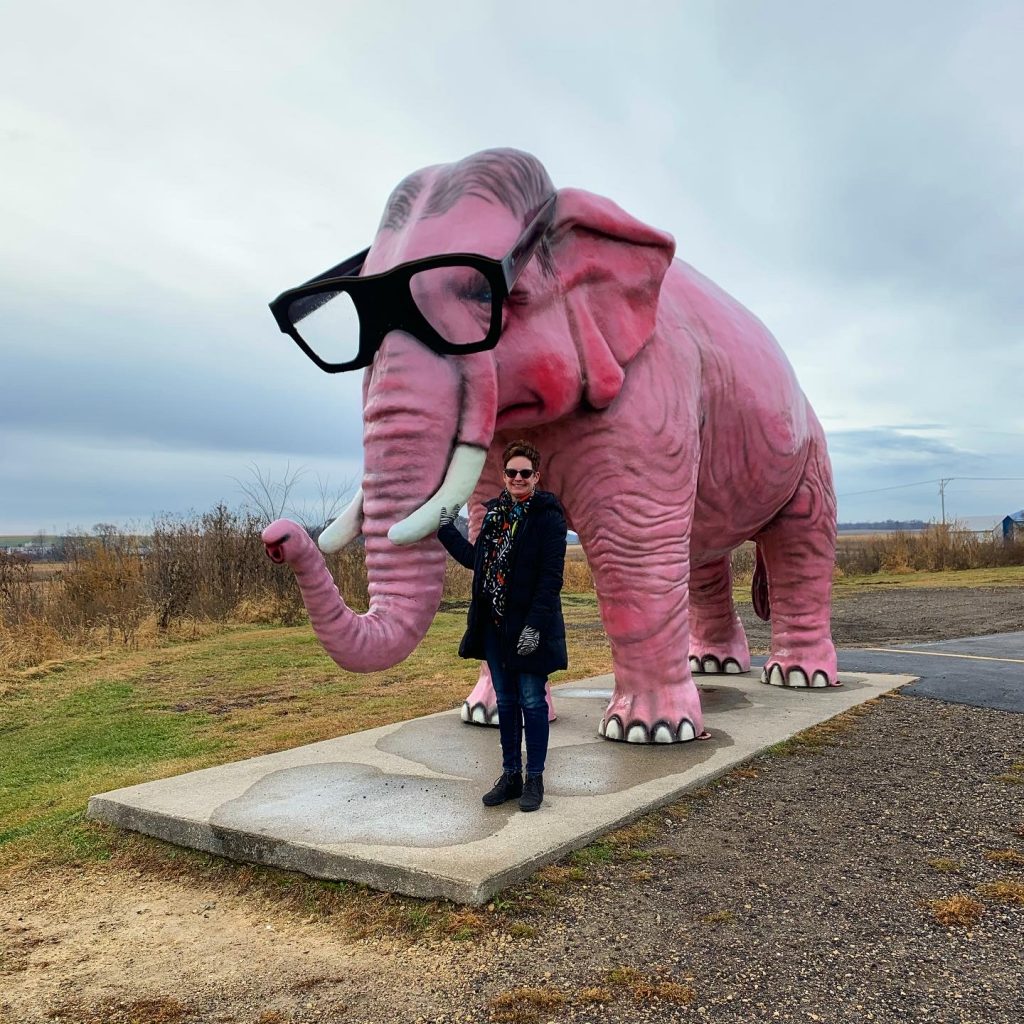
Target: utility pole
{"x": 942, "y": 495}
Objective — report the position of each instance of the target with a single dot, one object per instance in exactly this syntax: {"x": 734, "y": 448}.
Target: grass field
{"x": 99, "y": 721}
{"x": 69, "y": 729}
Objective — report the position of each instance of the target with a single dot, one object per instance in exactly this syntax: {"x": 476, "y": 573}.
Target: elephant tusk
{"x": 463, "y": 473}
{"x": 345, "y": 528}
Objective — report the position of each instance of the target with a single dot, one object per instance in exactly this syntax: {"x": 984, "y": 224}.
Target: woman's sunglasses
{"x": 524, "y": 473}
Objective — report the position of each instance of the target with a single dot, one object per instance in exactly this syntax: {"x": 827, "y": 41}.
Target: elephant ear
{"x": 610, "y": 267}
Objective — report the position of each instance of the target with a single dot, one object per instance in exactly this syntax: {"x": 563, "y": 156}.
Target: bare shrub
{"x": 577, "y": 578}
{"x": 101, "y": 588}
{"x": 743, "y": 563}
{"x": 348, "y": 567}
{"x": 19, "y": 595}
{"x": 935, "y": 548}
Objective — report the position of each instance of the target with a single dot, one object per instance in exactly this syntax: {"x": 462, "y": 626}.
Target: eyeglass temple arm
{"x": 512, "y": 265}
{"x": 346, "y": 268}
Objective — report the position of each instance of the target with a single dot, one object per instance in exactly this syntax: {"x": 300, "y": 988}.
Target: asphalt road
{"x": 982, "y": 671}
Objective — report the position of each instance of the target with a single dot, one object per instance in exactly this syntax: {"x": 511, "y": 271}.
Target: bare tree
{"x": 269, "y": 498}
{"x": 328, "y": 504}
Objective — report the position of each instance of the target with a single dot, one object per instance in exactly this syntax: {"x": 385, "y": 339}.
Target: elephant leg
{"x": 799, "y": 554}
{"x": 481, "y": 706}
{"x": 717, "y": 640}
{"x": 655, "y": 699}
{"x": 641, "y": 578}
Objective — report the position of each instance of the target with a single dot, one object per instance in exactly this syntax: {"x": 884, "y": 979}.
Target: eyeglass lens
{"x": 455, "y": 301}
{"x": 329, "y": 324}
{"x": 524, "y": 473}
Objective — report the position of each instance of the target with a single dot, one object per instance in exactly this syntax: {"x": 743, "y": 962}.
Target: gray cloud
{"x": 850, "y": 174}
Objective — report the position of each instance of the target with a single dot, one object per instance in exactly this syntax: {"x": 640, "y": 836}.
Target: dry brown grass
{"x": 1012, "y": 778}
{"x": 1007, "y": 891}
{"x": 944, "y": 864}
{"x": 158, "y": 1010}
{"x": 560, "y": 874}
{"x": 522, "y": 1005}
{"x": 956, "y": 911}
{"x": 718, "y": 917}
{"x": 664, "y": 991}
{"x": 937, "y": 547}
{"x": 1009, "y": 856}
{"x": 594, "y": 994}
{"x": 648, "y": 990}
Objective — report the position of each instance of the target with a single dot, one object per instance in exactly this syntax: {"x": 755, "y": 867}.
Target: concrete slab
{"x": 398, "y": 808}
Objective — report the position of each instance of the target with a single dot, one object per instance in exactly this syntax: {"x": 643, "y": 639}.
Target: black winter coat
{"x": 536, "y": 564}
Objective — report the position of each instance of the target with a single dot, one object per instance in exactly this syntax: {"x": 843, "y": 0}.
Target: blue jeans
{"x": 521, "y": 702}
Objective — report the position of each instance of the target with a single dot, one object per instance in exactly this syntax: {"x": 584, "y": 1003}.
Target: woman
{"x": 515, "y": 617}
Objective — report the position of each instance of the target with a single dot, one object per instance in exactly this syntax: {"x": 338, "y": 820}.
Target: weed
{"x": 1004, "y": 857}
{"x": 944, "y": 864}
{"x": 622, "y": 976}
{"x": 558, "y": 874}
{"x": 1013, "y": 778}
{"x": 465, "y": 924}
{"x": 600, "y": 852}
{"x": 959, "y": 910}
{"x": 640, "y": 831}
{"x": 718, "y": 917}
{"x": 524, "y": 1004}
{"x": 664, "y": 991}
{"x": 1008, "y": 891}
{"x": 519, "y": 930}
{"x": 595, "y": 994}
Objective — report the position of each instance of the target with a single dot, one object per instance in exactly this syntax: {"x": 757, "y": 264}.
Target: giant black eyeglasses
{"x": 452, "y": 303}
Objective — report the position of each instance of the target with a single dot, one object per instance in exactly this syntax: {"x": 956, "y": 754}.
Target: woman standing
{"x": 515, "y": 616}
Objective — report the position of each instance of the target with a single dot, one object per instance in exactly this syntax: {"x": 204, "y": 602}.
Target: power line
{"x": 894, "y": 487}
{"x": 920, "y": 483}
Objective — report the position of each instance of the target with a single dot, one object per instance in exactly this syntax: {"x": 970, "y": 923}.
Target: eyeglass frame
{"x": 511, "y": 474}
{"x": 384, "y": 301}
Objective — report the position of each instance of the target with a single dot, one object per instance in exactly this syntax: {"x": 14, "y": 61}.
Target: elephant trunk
{"x": 400, "y": 610}
{"x": 415, "y": 407}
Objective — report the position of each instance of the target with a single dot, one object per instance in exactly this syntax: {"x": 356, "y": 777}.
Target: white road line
{"x": 944, "y": 654}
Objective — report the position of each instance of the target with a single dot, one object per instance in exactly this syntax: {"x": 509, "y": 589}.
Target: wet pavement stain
{"x": 352, "y": 803}
{"x": 588, "y": 768}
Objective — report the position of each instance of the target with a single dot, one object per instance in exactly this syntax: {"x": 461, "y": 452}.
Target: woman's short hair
{"x": 523, "y": 448}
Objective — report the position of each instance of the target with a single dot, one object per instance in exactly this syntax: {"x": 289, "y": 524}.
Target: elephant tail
{"x": 759, "y": 588}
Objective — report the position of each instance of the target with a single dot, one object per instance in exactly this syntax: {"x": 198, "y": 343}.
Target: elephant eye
{"x": 480, "y": 293}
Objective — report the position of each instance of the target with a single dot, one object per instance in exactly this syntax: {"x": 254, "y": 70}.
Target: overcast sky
{"x": 850, "y": 173}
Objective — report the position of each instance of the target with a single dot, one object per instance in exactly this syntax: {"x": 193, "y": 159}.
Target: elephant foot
{"x": 811, "y": 667}
{"x": 711, "y": 663}
{"x": 479, "y": 714}
{"x": 481, "y": 706}
{"x": 719, "y": 651}
{"x": 672, "y": 715}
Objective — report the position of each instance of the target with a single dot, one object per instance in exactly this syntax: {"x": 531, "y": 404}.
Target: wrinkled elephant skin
{"x": 671, "y": 427}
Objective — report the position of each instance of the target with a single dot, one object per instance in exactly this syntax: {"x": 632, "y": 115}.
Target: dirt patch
{"x": 803, "y": 888}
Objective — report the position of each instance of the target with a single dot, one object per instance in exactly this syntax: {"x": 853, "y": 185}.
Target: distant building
{"x": 1013, "y": 525}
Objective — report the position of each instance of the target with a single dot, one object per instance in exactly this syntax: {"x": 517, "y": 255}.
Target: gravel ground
{"x": 887, "y": 616}
{"x": 796, "y": 890}
{"x": 800, "y": 894}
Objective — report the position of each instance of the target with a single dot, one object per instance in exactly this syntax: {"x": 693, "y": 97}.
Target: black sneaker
{"x": 508, "y": 787}
{"x": 533, "y": 793}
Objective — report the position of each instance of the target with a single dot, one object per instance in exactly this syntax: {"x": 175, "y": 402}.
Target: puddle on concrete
{"x": 350, "y": 803}
{"x": 575, "y": 766}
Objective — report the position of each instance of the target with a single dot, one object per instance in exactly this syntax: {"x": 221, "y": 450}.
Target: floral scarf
{"x": 498, "y": 532}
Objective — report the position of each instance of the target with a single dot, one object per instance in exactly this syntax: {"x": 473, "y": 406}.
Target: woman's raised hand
{"x": 448, "y": 516}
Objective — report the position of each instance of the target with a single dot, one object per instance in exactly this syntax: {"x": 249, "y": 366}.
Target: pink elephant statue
{"x": 671, "y": 424}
